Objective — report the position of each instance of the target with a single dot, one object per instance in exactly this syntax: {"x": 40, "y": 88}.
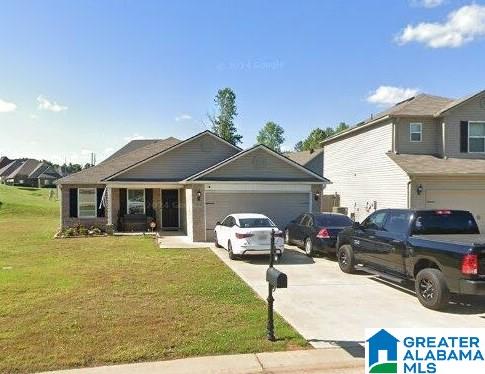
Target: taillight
{"x": 323, "y": 234}
{"x": 278, "y": 234}
{"x": 240, "y": 235}
{"x": 469, "y": 264}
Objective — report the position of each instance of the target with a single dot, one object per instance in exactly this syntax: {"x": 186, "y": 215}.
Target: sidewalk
{"x": 328, "y": 360}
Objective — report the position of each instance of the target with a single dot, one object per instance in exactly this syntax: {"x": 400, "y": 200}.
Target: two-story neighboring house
{"x": 425, "y": 152}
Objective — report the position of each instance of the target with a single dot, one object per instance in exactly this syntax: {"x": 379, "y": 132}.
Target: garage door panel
{"x": 471, "y": 200}
{"x": 280, "y": 207}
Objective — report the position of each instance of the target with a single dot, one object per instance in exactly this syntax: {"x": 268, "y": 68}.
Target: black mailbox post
{"x": 276, "y": 279}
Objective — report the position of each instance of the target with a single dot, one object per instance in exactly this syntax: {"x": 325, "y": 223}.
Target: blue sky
{"x": 81, "y": 76}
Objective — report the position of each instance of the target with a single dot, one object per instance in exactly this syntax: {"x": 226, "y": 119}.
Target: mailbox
{"x": 276, "y": 278}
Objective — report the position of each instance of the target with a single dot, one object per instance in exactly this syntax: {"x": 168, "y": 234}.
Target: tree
{"x": 314, "y": 140}
{"x": 271, "y": 135}
{"x": 87, "y": 165}
{"x": 223, "y": 121}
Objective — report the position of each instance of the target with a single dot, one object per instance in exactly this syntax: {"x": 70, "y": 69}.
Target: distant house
{"x": 4, "y": 161}
{"x": 312, "y": 159}
{"x": 29, "y": 173}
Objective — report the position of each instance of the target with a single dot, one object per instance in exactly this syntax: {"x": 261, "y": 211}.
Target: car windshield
{"x": 444, "y": 222}
{"x": 332, "y": 220}
{"x": 255, "y": 222}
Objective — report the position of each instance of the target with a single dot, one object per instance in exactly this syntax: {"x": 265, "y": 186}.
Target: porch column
{"x": 109, "y": 206}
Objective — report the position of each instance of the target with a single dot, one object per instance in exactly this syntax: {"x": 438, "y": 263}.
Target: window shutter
{"x": 464, "y": 136}
{"x": 149, "y": 202}
{"x": 73, "y": 202}
{"x": 123, "y": 201}
{"x": 99, "y": 195}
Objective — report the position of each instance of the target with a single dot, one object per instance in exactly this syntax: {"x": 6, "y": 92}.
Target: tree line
{"x": 271, "y": 134}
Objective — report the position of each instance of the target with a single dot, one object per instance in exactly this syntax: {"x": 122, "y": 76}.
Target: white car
{"x": 247, "y": 233}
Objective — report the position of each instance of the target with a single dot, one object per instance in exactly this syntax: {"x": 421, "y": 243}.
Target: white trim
{"x": 128, "y": 199}
{"x": 420, "y": 132}
{"x": 229, "y": 160}
{"x": 310, "y": 196}
{"x": 253, "y": 182}
{"x": 140, "y": 185}
{"x": 95, "y": 202}
{"x": 257, "y": 187}
{"x": 175, "y": 146}
{"x": 475, "y": 137}
{"x": 109, "y": 208}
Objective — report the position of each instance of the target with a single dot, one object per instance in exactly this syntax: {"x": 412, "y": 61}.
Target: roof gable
{"x": 186, "y": 158}
{"x": 258, "y": 163}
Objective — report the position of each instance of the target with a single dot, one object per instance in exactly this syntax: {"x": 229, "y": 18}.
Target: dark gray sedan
{"x": 316, "y": 232}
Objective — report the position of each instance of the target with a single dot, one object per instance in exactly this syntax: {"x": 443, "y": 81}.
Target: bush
{"x": 80, "y": 230}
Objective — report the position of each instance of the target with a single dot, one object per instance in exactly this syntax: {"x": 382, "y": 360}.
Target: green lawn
{"x": 93, "y": 301}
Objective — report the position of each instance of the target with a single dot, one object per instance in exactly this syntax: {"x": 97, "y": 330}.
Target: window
{"x": 397, "y": 222}
{"x": 476, "y": 137}
{"x": 415, "y": 132}
{"x": 375, "y": 221}
{"x": 256, "y": 222}
{"x": 86, "y": 202}
{"x": 229, "y": 221}
{"x": 333, "y": 220}
{"x": 21, "y": 181}
{"x": 305, "y": 220}
{"x": 136, "y": 202}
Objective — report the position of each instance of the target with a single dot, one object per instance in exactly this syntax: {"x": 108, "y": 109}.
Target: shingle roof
{"x": 455, "y": 103}
{"x": 39, "y": 170}
{"x": 303, "y": 157}
{"x": 27, "y": 167}
{"x": 7, "y": 169}
{"x": 422, "y": 105}
{"x": 4, "y": 161}
{"x": 433, "y": 165}
{"x": 107, "y": 168}
{"x": 132, "y": 145}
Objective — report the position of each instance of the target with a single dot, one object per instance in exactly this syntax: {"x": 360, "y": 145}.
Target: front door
{"x": 170, "y": 209}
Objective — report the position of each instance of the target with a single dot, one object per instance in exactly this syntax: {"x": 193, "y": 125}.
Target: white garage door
{"x": 472, "y": 200}
{"x": 280, "y": 207}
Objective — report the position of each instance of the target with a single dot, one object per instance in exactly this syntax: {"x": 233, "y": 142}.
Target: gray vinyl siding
{"x": 361, "y": 172}
{"x": 258, "y": 165}
{"x": 281, "y": 208}
{"x": 181, "y": 162}
{"x": 430, "y": 138}
{"x": 316, "y": 164}
{"x": 469, "y": 111}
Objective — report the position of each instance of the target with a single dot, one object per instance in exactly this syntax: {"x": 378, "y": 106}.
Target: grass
{"x": 93, "y": 301}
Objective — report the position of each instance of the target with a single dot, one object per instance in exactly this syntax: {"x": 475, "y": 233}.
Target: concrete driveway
{"x": 329, "y": 307}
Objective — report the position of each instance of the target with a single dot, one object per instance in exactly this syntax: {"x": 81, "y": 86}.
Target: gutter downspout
{"x": 409, "y": 192}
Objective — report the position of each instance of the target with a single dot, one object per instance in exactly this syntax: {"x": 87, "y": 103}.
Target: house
{"x": 4, "y": 161}
{"x": 8, "y": 169}
{"x": 312, "y": 159}
{"x": 44, "y": 175}
{"x": 425, "y": 152}
{"x": 188, "y": 185}
{"x": 382, "y": 342}
{"x": 29, "y": 172}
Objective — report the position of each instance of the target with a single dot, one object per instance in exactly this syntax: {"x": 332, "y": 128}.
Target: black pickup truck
{"x": 441, "y": 251}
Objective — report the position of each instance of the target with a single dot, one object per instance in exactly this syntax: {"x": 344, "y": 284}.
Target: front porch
{"x": 145, "y": 208}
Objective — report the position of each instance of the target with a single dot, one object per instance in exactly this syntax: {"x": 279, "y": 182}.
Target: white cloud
{"x": 183, "y": 117}
{"x": 427, "y": 3}
{"x": 6, "y": 106}
{"x": 461, "y": 26}
{"x": 52, "y": 106}
{"x": 388, "y": 95}
{"x": 135, "y": 136}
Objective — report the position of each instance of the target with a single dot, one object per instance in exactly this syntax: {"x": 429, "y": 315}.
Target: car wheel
{"x": 309, "y": 247}
{"x": 431, "y": 289}
{"x": 216, "y": 243}
{"x": 232, "y": 256}
{"x": 287, "y": 236}
{"x": 345, "y": 258}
